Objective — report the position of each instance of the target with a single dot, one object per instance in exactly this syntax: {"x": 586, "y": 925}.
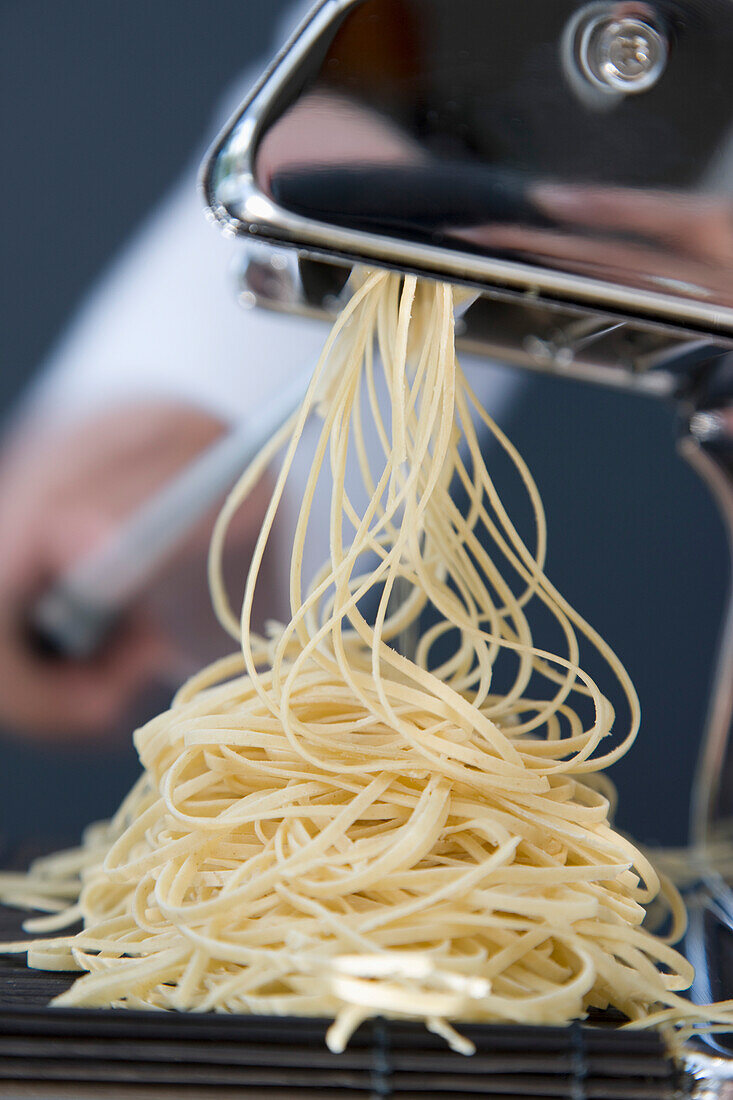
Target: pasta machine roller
{"x": 571, "y": 162}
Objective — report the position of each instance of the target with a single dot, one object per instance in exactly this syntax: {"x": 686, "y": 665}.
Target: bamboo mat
{"x": 50, "y": 1053}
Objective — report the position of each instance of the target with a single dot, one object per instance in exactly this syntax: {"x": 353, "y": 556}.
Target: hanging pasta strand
{"x": 327, "y": 826}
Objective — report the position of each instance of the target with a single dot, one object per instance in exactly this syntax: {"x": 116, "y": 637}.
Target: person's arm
{"x": 62, "y": 492}
{"x": 160, "y": 360}
{"x": 164, "y": 322}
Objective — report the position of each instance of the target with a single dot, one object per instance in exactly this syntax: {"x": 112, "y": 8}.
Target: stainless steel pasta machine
{"x": 571, "y": 162}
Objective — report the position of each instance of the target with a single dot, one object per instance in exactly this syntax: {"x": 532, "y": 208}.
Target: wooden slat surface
{"x": 271, "y": 1059}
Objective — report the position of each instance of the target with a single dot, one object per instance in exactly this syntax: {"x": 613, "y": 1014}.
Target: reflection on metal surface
{"x": 448, "y": 138}
{"x": 711, "y": 1078}
{"x": 619, "y": 49}
{"x": 283, "y": 280}
{"x": 570, "y": 342}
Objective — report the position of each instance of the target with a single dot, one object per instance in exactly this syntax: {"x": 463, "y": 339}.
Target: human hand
{"x": 61, "y": 494}
{"x": 643, "y": 238}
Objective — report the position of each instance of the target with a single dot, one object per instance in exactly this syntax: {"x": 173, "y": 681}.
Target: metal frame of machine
{"x": 248, "y": 212}
{"x": 673, "y": 346}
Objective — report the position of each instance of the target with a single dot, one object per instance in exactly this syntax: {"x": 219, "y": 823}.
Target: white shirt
{"x": 164, "y": 323}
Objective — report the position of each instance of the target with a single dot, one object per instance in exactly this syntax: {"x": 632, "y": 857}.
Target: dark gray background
{"x": 102, "y": 104}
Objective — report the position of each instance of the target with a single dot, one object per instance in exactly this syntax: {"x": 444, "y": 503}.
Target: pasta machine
{"x": 570, "y": 162}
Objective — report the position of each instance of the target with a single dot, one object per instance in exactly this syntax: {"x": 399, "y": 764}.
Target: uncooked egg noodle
{"x": 328, "y": 826}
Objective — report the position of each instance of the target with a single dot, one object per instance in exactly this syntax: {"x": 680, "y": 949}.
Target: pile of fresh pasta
{"x": 328, "y": 824}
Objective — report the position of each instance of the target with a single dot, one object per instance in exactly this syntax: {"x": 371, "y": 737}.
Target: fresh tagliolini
{"x": 328, "y": 826}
